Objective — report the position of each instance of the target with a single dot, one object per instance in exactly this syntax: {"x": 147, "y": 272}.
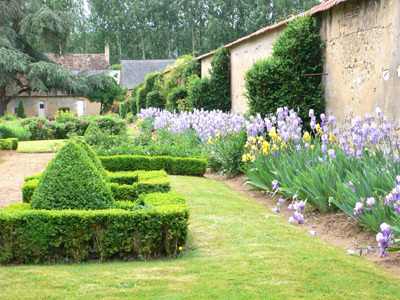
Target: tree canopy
{"x": 24, "y": 69}
{"x": 158, "y": 29}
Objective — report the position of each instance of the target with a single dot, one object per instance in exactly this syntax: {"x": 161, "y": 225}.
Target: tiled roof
{"x": 133, "y": 72}
{"x": 77, "y": 62}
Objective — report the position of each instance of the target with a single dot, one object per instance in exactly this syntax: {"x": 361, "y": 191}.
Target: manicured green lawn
{"x": 233, "y": 253}
{"x": 38, "y": 146}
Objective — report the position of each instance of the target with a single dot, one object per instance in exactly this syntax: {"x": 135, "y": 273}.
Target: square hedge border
{"x": 158, "y": 227}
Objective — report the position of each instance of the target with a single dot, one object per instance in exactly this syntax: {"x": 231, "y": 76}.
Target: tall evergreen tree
{"x": 24, "y": 69}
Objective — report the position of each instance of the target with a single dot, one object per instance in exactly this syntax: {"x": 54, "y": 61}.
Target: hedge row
{"x": 9, "y": 144}
{"x": 172, "y": 165}
{"x": 142, "y": 182}
{"x": 35, "y": 236}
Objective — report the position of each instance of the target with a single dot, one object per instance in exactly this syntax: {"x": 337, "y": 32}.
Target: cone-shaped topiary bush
{"x": 93, "y": 128}
{"x": 71, "y": 181}
{"x": 93, "y": 157}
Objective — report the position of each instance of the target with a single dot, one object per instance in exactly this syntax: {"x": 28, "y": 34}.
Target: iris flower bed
{"x": 353, "y": 167}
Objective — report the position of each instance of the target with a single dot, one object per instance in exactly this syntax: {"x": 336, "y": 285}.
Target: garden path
{"x": 15, "y": 167}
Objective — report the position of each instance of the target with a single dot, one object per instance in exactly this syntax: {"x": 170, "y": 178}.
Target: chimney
{"x": 107, "y": 53}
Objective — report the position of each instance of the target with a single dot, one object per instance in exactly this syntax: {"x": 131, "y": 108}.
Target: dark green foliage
{"x": 21, "y": 109}
{"x": 220, "y": 75}
{"x": 148, "y": 86}
{"x": 200, "y": 94}
{"x": 125, "y": 186}
{"x": 36, "y": 236}
{"x": 192, "y": 68}
{"x": 71, "y": 181}
{"x": 176, "y": 94}
{"x": 172, "y": 165}
{"x": 115, "y": 67}
{"x": 107, "y": 95}
{"x": 64, "y": 109}
{"x": 280, "y": 80}
{"x": 123, "y": 110}
{"x": 92, "y": 156}
{"x": 29, "y": 188}
{"x": 131, "y": 104}
{"x": 154, "y": 99}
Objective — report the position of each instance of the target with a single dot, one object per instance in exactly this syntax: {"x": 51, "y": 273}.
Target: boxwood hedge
{"x": 128, "y": 230}
{"x": 172, "y": 165}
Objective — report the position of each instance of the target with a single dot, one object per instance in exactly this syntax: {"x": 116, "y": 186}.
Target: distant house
{"x": 134, "y": 72}
{"x": 46, "y": 105}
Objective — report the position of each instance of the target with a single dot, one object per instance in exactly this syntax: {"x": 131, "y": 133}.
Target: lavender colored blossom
{"x": 370, "y": 202}
{"x": 358, "y": 209}
{"x": 281, "y": 202}
{"x": 352, "y": 186}
{"x": 383, "y": 238}
{"x": 275, "y": 185}
{"x": 312, "y": 232}
{"x": 276, "y": 210}
{"x": 331, "y": 153}
{"x": 351, "y": 252}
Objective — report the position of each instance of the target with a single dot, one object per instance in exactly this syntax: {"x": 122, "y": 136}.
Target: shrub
{"x": 111, "y": 122}
{"x": 154, "y": 99}
{"x": 115, "y": 67}
{"x": 131, "y": 105}
{"x": 148, "y": 87}
{"x": 226, "y": 153}
{"x": 6, "y": 144}
{"x": 172, "y": 165}
{"x": 281, "y": 80}
{"x": 221, "y": 79}
{"x": 123, "y": 110}
{"x": 71, "y": 181}
{"x": 92, "y": 129}
{"x": 125, "y": 186}
{"x": 176, "y": 94}
{"x": 14, "y": 130}
{"x": 200, "y": 94}
{"x": 64, "y": 116}
{"x": 64, "y": 109}
{"x": 21, "y": 109}
{"x": 93, "y": 157}
{"x": 35, "y": 236}
{"x": 192, "y": 68}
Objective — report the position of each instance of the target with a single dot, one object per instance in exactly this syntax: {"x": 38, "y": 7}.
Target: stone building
{"x": 362, "y": 65}
{"x": 46, "y": 105}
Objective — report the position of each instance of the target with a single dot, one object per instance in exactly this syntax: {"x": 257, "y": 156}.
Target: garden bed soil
{"x": 339, "y": 229}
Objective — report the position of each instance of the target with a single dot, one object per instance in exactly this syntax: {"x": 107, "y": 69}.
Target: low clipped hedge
{"x": 127, "y": 230}
{"x": 172, "y": 165}
{"x": 9, "y": 144}
{"x": 125, "y": 186}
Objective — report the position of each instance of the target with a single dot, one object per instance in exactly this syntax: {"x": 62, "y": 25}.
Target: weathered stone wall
{"x": 243, "y": 56}
{"x": 52, "y": 104}
{"x": 362, "y": 57}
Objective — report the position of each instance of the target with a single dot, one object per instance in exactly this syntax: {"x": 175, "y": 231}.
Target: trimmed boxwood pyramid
{"x": 93, "y": 128}
{"x": 71, "y": 181}
{"x": 93, "y": 157}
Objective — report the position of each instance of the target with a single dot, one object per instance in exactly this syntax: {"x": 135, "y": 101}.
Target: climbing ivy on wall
{"x": 284, "y": 79}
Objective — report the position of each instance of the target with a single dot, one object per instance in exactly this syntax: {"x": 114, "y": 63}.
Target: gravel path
{"x": 15, "y": 167}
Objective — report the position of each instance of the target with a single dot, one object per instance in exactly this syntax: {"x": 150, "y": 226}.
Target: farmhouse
{"x": 46, "y": 105}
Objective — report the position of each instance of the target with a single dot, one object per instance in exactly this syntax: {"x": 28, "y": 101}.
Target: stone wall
{"x": 362, "y": 58}
{"x": 52, "y": 104}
